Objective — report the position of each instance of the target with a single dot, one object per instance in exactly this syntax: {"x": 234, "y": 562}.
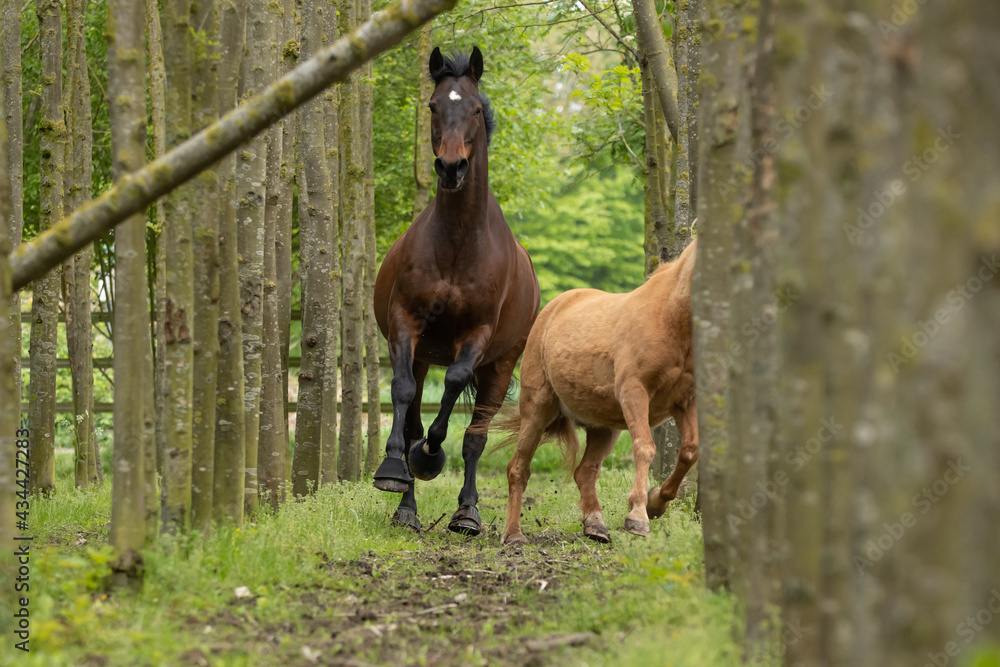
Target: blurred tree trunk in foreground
{"x": 859, "y": 509}
{"x": 10, "y": 401}
{"x": 10, "y": 80}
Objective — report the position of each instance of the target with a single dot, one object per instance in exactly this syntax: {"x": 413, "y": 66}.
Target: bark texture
{"x": 352, "y": 191}
{"x": 231, "y": 493}
{"x": 316, "y": 252}
{"x": 10, "y": 80}
{"x": 179, "y": 316}
{"x": 76, "y": 271}
{"x": 133, "y": 354}
{"x": 374, "y": 416}
{"x": 205, "y": 341}
{"x": 45, "y": 292}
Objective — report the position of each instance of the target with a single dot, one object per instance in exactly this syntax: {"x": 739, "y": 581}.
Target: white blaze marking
{"x": 454, "y": 97}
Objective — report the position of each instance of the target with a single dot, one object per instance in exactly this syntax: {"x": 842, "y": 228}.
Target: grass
{"x": 331, "y": 582}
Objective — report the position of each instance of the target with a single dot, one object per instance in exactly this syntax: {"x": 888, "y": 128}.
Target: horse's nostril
{"x": 463, "y": 166}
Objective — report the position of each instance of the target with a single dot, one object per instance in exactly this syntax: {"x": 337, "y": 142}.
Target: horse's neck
{"x": 463, "y": 214}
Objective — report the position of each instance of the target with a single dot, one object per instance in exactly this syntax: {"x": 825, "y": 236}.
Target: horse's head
{"x": 461, "y": 118}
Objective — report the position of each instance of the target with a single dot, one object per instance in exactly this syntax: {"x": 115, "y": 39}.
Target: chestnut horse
{"x": 456, "y": 290}
{"x": 609, "y": 362}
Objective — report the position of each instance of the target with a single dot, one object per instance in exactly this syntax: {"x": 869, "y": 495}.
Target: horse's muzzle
{"x": 452, "y": 174}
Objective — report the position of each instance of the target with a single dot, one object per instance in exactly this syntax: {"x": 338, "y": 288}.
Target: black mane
{"x": 457, "y": 65}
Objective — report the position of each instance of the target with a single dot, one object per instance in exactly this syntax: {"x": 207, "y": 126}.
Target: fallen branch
{"x": 133, "y": 192}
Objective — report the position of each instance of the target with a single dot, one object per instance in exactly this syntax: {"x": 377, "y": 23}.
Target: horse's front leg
{"x": 413, "y": 430}
{"x": 392, "y": 474}
{"x": 426, "y": 457}
{"x": 493, "y": 380}
{"x": 634, "y": 399}
{"x": 687, "y": 423}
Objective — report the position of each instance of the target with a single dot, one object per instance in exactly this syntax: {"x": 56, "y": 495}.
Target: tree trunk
{"x": 250, "y": 192}
{"x": 711, "y": 292}
{"x": 352, "y": 179}
{"x": 45, "y": 292}
{"x": 157, "y": 112}
{"x": 374, "y": 445}
{"x": 331, "y": 377}
{"x": 273, "y": 439}
{"x": 423, "y": 155}
{"x": 231, "y": 491}
{"x": 654, "y": 49}
{"x": 10, "y": 54}
{"x": 289, "y": 52}
{"x": 133, "y": 354}
{"x": 182, "y": 163}
{"x": 205, "y": 342}
{"x": 76, "y": 272}
{"x": 10, "y": 400}
{"x": 179, "y": 317}
{"x": 316, "y": 264}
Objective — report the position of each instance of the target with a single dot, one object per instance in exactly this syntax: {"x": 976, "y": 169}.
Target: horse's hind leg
{"x": 537, "y": 409}
{"x": 687, "y": 424}
{"x": 413, "y": 430}
{"x": 634, "y": 399}
{"x": 600, "y": 442}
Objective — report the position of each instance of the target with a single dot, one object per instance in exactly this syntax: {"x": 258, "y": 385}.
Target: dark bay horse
{"x": 456, "y": 290}
{"x": 609, "y": 362}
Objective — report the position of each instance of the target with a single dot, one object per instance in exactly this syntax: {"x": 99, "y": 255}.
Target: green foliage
{"x": 589, "y": 235}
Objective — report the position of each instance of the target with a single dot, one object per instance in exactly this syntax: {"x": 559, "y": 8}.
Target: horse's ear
{"x": 436, "y": 62}
{"x": 476, "y": 63}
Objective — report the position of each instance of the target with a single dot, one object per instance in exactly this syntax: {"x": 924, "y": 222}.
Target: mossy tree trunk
{"x": 273, "y": 444}
{"x": 76, "y": 271}
{"x": 133, "y": 354}
{"x": 331, "y": 374}
{"x": 10, "y": 400}
{"x": 352, "y": 183}
{"x": 179, "y": 316}
{"x": 231, "y": 492}
{"x": 205, "y": 343}
{"x": 423, "y": 154}
{"x": 10, "y": 80}
{"x": 720, "y": 102}
{"x": 45, "y": 292}
{"x": 157, "y": 114}
{"x": 316, "y": 252}
{"x": 374, "y": 444}
{"x": 251, "y": 174}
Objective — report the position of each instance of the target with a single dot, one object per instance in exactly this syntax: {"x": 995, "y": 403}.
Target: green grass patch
{"x": 328, "y": 580}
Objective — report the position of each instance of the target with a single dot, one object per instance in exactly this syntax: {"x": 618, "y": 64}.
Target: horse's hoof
{"x": 636, "y": 527}
{"x": 406, "y": 518}
{"x": 392, "y": 476}
{"x": 654, "y": 506}
{"x": 466, "y": 520}
{"x": 595, "y": 529}
{"x": 423, "y": 464}
{"x": 515, "y": 540}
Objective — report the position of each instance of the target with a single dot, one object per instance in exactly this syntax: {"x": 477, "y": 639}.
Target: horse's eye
{"x": 479, "y": 110}
{"x": 432, "y": 108}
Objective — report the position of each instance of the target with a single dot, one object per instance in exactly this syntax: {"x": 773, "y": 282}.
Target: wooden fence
{"x": 106, "y": 363}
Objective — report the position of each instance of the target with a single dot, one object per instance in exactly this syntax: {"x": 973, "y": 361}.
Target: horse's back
{"x": 589, "y": 342}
